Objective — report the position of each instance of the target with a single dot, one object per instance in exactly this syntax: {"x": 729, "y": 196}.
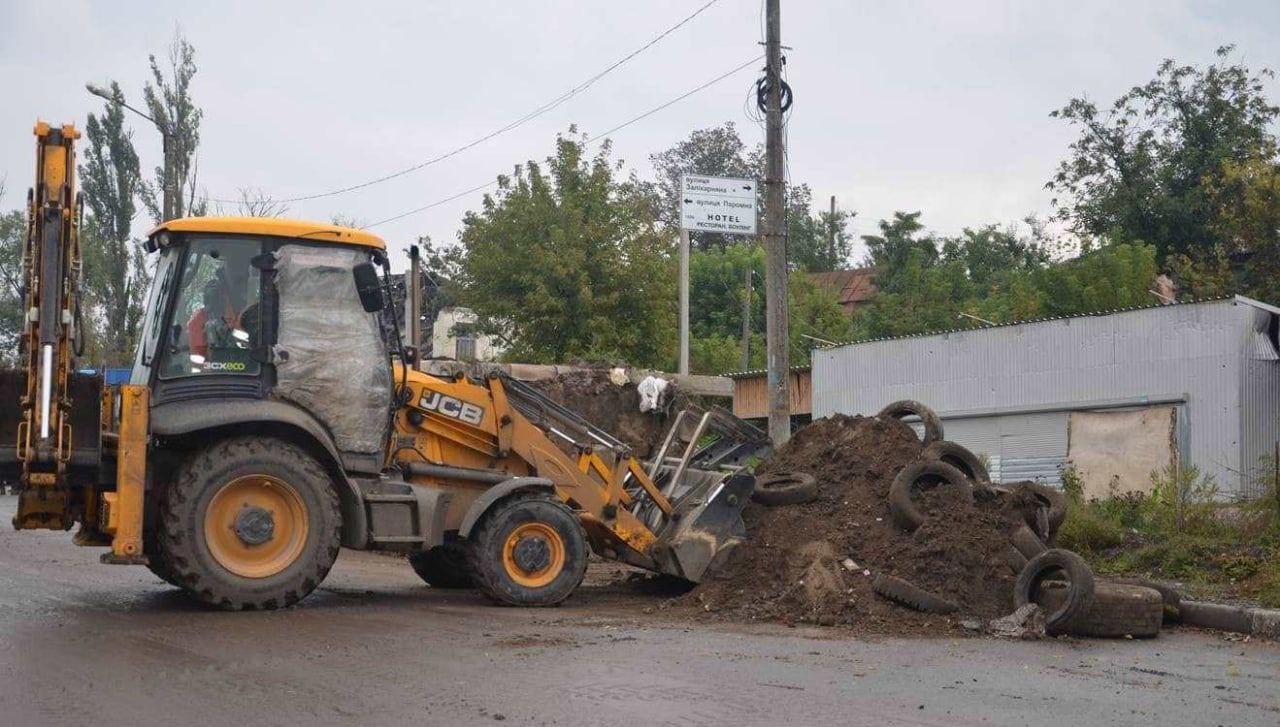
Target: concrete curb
{"x": 1260, "y": 621}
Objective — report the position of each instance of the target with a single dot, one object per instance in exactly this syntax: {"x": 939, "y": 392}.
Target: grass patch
{"x": 1180, "y": 532}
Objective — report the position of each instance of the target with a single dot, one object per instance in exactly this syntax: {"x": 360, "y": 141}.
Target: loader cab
{"x": 253, "y": 309}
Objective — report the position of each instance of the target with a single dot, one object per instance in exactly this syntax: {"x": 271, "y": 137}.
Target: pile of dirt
{"x": 814, "y": 563}
{"x": 612, "y": 407}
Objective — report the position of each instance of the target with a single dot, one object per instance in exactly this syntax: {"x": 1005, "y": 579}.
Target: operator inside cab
{"x": 218, "y": 305}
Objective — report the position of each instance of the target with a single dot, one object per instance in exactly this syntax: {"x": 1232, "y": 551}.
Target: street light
{"x": 170, "y": 201}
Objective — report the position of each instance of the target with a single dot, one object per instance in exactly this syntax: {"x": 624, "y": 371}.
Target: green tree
{"x": 1141, "y": 169}
{"x": 1245, "y": 199}
{"x": 115, "y": 266}
{"x": 567, "y": 262}
{"x": 930, "y": 283}
{"x": 168, "y": 97}
{"x": 13, "y": 232}
{"x": 717, "y": 285}
{"x": 816, "y": 243}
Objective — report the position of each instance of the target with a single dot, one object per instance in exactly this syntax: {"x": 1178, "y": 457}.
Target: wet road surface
{"x": 83, "y": 643}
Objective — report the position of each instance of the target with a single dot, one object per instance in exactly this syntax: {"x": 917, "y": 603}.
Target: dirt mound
{"x": 813, "y": 563}
{"x": 613, "y": 408}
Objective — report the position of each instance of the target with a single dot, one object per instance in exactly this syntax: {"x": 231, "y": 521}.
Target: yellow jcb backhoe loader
{"x": 268, "y": 422}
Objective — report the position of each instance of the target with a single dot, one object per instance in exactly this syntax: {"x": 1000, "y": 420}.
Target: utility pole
{"x": 746, "y": 320}
{"x": 831, "y": 227}
{"x": 775, "y": 238}
{"x": 684, "y": 301}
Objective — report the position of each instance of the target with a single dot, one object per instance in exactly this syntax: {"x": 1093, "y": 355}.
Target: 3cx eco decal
{"x": 224, "y": 366}
{"x": 451, "y": 407}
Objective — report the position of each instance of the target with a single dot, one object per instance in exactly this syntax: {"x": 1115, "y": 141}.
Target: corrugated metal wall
{"x": 1032, "y": 375}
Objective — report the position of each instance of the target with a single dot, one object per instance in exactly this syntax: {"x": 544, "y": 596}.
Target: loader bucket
{"x": 705, "y": 526}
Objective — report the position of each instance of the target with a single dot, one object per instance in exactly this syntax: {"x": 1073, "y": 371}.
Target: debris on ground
{"x": 793, "y": 566}
{"x": 616, "y": 408}
{"x": 1026, "y": 623}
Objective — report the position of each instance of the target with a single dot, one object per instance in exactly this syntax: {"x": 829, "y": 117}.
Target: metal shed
{"x": 1194, "y": 383}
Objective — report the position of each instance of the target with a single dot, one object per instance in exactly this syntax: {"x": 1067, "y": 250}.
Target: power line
{"x": 590, "y": 140}
{"x": 539, "y": 111}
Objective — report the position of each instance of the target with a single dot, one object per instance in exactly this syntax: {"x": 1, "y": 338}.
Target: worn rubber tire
{"x": 785, "y": 488}
{"x": 181, "y": 534}
{"x": 1053, "y": 499}
{"x": 959, "y": 457}
{"x": 1118, "y": 610}
{"x": 444, "y": 566}
{"x": 1169, "y": 594}
{"x": 486, "y": 542}
{"x": 1052, "y": 565}
{"x": 910, "y": 595}
{"x": 903, "y": 510}
{"x": 1026, "y": 542}
{"x": 907, "y": 407}
{"x": 1016, "y": 560}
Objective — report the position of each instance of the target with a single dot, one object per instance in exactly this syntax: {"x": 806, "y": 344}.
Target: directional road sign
{"x": 718, "y": 204}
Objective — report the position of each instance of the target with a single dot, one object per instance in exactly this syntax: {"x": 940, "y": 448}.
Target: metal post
{"x": 746, "y": 320}
{"x": 684, "y": 301}
{"x": 413, "y": 301}
{"x": 775, "y": 239}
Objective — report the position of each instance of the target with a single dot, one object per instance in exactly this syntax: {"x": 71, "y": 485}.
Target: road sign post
{"x": 724, "y": 205}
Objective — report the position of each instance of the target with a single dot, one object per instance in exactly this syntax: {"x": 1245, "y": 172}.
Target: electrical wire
{"x": 589, "y": 140}
{"x": 539, "y": 111}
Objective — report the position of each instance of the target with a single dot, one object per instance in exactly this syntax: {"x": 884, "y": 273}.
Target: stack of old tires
{"x": 1058, "y": 580}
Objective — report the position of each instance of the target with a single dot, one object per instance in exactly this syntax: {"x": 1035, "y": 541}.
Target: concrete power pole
{"x": 746, "y": 320}
{"x": 775, "y": 237}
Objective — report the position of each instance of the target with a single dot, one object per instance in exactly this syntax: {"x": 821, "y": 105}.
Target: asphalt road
{"x": 83, "y": 643}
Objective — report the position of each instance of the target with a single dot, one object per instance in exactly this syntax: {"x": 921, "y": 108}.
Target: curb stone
{"x": 1260, "y": 621}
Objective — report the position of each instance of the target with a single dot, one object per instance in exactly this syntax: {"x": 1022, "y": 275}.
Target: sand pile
{"x": 810, "y": 563}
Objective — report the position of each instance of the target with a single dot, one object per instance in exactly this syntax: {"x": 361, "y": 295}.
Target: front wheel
{"x": 250, "y": 523}
{"x": 528, "y": 550}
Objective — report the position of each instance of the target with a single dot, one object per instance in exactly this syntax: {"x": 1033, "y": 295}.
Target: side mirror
{"x": 368, "y": 287}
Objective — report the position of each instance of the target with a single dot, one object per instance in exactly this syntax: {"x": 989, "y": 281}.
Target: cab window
{"x": 216, "y": 320}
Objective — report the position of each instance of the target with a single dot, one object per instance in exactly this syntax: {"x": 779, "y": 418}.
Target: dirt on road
{"x": 814, "y": 563}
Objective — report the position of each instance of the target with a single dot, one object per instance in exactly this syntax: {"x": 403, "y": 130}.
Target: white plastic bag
{"x": 651, "y": 392}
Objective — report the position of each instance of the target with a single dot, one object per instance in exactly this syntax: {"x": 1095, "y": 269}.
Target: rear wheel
{"x": 528, "y": 550}
{"x": 444, "y": 566}
{"x": 249, "y": 523}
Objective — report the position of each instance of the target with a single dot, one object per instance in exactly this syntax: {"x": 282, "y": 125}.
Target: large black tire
{"x": 906, "y": 408}
{"x": 785, "y": 488}
{"x": 1051, "y": 498}
{"x": 959, "y": 457}
{"x": 910, "y": 595}
{"x": 1057, "y": 564}
{"x": 1118, "y": 610}
{"x": 1026, "y": 542}
{"x": 538, "y": 569}
{"x": 444, "y": 566}
{"x": 305, "y": 545}
{"x": 929, "y": 473}
{"x": 1169, "y": 594}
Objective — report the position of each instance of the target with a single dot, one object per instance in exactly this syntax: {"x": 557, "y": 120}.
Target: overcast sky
{"x": 934, "y": 106}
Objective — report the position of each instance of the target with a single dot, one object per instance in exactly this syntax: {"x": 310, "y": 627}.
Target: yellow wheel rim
{"x": 533, "y": 555}
{"x": 256, "y": 526}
